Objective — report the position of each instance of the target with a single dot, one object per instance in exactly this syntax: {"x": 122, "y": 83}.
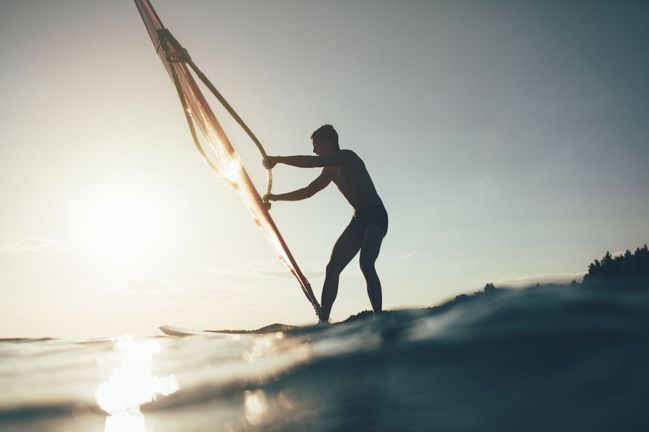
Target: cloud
{"x": 35, "y": 246}
{"x": 286, "y": 274}
{"x": 522, "y": 281}
{"x": 151, "y": 287}
{"x": 221, "y": 271}
{"x": 277, "y": 269}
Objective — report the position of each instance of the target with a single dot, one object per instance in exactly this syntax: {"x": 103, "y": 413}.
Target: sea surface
{"x": 538, "y": 359}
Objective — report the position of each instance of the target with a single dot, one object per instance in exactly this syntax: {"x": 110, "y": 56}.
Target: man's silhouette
{"x": 367, "y": 228}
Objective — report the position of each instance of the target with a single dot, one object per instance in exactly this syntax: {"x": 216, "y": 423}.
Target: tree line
{"x": 626, "y": 267}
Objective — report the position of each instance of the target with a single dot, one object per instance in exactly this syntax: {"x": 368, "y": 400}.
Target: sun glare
{"x": 131, "y": 385}
{"x": 117, "y": 226}
{"x": 232, "y": 171}
{"x": 123, "y": 225}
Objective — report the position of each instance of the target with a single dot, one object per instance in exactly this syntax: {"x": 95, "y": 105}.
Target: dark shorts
{"x": 364, "y": 218}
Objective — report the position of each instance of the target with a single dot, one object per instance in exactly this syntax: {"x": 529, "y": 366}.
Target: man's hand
{"x": 266, "y": 200}
{"x": 269, "y": 162}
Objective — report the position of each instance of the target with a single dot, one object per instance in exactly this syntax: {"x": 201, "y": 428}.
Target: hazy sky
{"x": 508, "y": 140}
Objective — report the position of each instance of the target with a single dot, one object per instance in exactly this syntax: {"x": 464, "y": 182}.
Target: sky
{"x": 508, "y": 141}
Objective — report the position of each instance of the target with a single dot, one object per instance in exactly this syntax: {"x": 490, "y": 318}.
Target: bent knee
{"x": 333, "y": 268}
{"x": 367, "y": 265}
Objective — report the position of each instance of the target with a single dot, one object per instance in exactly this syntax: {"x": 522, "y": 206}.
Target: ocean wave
{"x": 542, "y": 358}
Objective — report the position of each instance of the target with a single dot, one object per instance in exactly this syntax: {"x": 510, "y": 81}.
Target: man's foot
{"x": 321, "y": 317}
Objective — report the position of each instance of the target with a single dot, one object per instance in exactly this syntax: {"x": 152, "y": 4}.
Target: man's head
{"x": 325, "y": 140}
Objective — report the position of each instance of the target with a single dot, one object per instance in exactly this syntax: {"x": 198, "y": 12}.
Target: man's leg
{"x": 344, "y": 250}
{"x": 369, "y": 252}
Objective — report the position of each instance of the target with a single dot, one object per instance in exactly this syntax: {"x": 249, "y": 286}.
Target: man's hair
{"x": 326, "y": 132}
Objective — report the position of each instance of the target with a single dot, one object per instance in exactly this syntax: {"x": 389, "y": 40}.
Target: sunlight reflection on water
{"x": 131, "y": 385}
{"x": 255, "y": 405}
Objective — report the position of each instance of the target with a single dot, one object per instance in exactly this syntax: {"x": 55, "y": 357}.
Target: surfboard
{"x": 181, "y": 332}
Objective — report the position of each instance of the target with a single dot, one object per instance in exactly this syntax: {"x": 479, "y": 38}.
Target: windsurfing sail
{"x": 211, "y": 140}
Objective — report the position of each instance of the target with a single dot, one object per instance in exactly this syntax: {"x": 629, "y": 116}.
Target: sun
{"x": 122, "y": 226}
{"x": 117, "y": 225}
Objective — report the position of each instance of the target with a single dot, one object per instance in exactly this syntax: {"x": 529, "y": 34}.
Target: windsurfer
{"x": 369, "y": 224}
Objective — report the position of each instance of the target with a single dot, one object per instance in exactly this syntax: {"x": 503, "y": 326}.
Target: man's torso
{"x": 354, "y": 182}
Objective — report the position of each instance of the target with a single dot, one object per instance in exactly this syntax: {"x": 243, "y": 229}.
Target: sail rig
{"x": 211, "y": 140}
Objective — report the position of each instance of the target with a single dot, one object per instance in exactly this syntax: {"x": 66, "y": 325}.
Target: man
{"x": 367, "y": 228}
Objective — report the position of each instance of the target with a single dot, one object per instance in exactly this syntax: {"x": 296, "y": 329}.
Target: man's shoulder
{"x": 347, "y": 154}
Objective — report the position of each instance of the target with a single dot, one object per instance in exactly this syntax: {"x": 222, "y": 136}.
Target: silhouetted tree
{"x": 625, "y": 268}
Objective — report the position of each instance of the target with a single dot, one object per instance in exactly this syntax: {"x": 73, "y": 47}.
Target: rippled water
{"x": 539, "y": 359}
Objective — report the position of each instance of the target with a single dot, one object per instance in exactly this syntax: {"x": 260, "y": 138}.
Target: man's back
{"x": 353, "y": 180}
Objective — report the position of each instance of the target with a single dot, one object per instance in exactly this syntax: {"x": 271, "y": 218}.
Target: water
{"x": 539, "y": 359}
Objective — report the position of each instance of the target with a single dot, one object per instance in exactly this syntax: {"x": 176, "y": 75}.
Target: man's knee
{"x": 333, "y": 269}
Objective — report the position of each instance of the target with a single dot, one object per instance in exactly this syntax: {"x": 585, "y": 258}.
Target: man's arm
{"x": 315, "y": 186}
{"x": 305, "y": 161}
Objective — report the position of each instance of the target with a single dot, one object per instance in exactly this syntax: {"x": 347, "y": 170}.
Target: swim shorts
{"x": 364, "y": 218}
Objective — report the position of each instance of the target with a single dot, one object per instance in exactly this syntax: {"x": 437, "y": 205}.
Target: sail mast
{"x": 210, "y": 138}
